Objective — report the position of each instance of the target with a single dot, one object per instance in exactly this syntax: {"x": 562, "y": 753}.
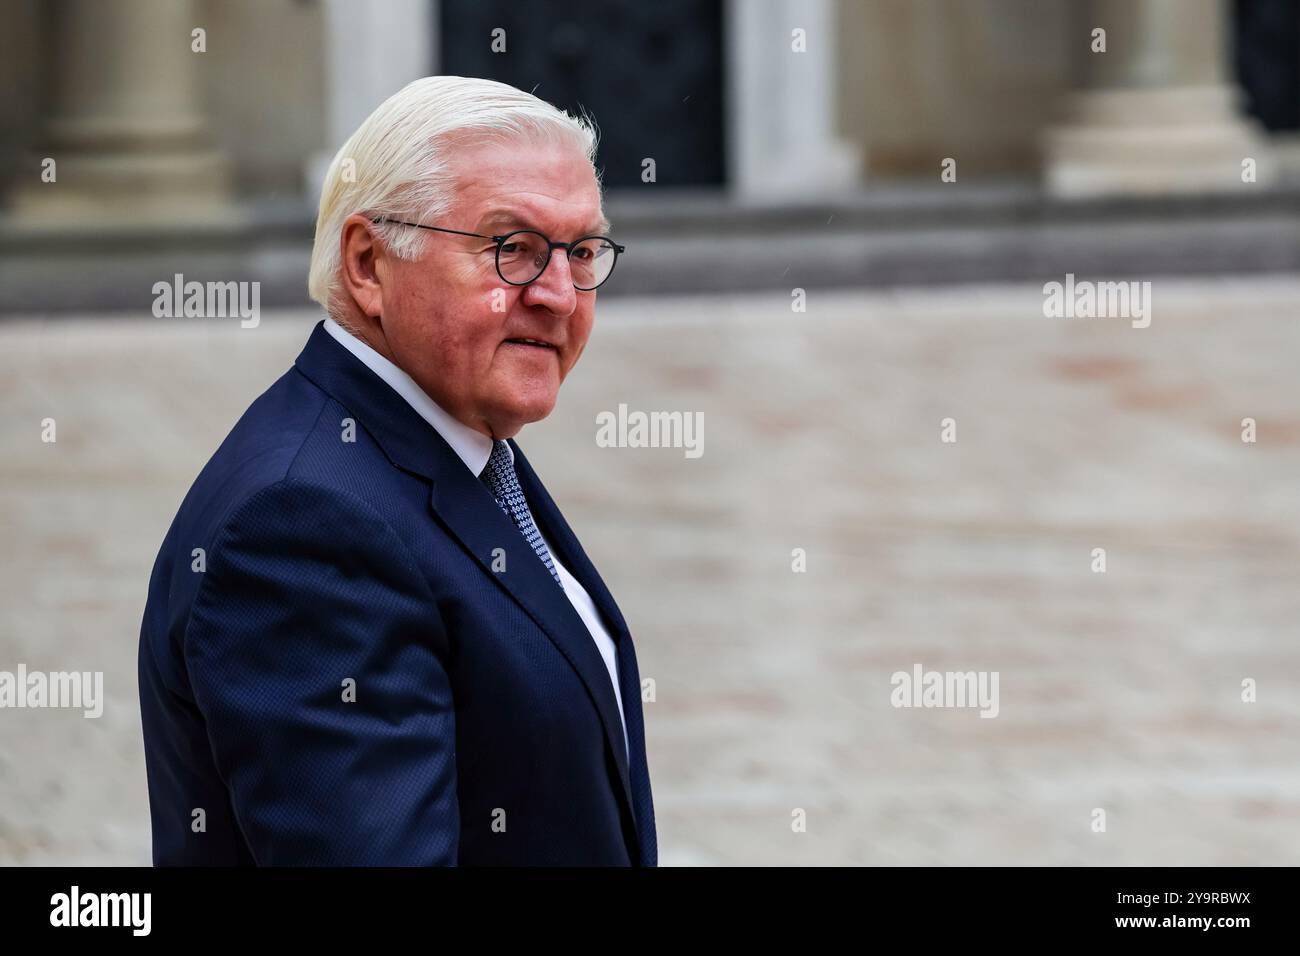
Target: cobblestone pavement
{"x": 1119, "y": 691}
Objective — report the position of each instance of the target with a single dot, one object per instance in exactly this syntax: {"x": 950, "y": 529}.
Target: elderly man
{"x": 371, "y": 637}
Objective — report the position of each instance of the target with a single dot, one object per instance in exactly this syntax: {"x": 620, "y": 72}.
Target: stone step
{"x": 689, "y": 242}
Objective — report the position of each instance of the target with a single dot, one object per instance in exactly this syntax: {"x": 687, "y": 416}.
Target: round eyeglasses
{"x": 523, "y": 255}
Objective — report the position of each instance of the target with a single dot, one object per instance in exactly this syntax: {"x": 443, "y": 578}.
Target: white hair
{"x": 395, "y": 164}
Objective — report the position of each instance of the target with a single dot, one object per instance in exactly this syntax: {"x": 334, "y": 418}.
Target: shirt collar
{"x": 470, "y": 445}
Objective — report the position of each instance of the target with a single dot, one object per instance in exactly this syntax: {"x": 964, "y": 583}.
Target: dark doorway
{"x": 651, "y": 75}
{"x": 1266, "y": 52}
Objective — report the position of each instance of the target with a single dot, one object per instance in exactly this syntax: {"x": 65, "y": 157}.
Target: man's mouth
{"x": 533, "y": 343}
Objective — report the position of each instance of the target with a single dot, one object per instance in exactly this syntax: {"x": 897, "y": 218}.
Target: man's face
{"x": 454, "y": 325}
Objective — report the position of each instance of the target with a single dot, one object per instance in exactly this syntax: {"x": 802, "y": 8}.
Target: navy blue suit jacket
{"x": 339, "y": 676}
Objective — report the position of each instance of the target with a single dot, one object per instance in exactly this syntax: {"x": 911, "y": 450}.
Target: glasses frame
{"x": 568, "y": 248}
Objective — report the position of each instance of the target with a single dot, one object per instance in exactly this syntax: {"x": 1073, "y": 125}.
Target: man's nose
{"x": 553, "y": 289}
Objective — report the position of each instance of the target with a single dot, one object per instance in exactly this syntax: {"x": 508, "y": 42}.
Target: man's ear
{"x": 362, "y": 257}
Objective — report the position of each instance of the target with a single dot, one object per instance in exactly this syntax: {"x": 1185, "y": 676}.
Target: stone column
{"x": 372, "y": 51}
{"x": 125, "y": 127}
{"x": 1158, "y": 113}
{"x": 783, "y": 141}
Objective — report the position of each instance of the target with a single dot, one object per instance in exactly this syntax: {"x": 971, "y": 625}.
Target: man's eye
{"x": 510, "y": 247}
{"x": 584, "y": 252}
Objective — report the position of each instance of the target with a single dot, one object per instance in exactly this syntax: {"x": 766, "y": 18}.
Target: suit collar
{"x": 470, "y": 445}
{"x": 405, "y": 438}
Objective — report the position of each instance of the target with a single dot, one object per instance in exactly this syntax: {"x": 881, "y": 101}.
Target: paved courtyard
{"x": 822, "y": 431}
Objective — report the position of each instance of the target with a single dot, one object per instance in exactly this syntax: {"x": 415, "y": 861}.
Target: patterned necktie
{"x": 500, "y": 477}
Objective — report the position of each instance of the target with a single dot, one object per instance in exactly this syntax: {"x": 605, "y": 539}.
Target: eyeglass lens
{"x": 523, "y": 255}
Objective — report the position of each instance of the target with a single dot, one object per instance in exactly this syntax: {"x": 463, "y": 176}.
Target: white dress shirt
{"x": 474, "y": 448}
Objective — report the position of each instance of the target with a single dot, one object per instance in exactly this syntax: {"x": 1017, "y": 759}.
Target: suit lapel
{"x": 471, "y": 514}
{"x": 565, "y": 542}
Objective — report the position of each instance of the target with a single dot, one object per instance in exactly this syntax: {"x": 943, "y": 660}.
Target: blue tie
{"x": 500, "y": 477}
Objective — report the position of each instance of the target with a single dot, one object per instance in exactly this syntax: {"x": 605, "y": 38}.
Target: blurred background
{"x": 840, "y": 218}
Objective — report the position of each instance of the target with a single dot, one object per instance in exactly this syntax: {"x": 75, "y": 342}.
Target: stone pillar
{"x": 1158, "y": 113}
{"x": 372, "y": 51}
{"x": 783, "y": 141}
{"x": 125, "y": 127}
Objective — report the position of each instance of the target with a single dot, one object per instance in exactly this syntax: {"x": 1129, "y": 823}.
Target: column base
{"x": 191, "y": 186}
{"x": 1152, "y": 142}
